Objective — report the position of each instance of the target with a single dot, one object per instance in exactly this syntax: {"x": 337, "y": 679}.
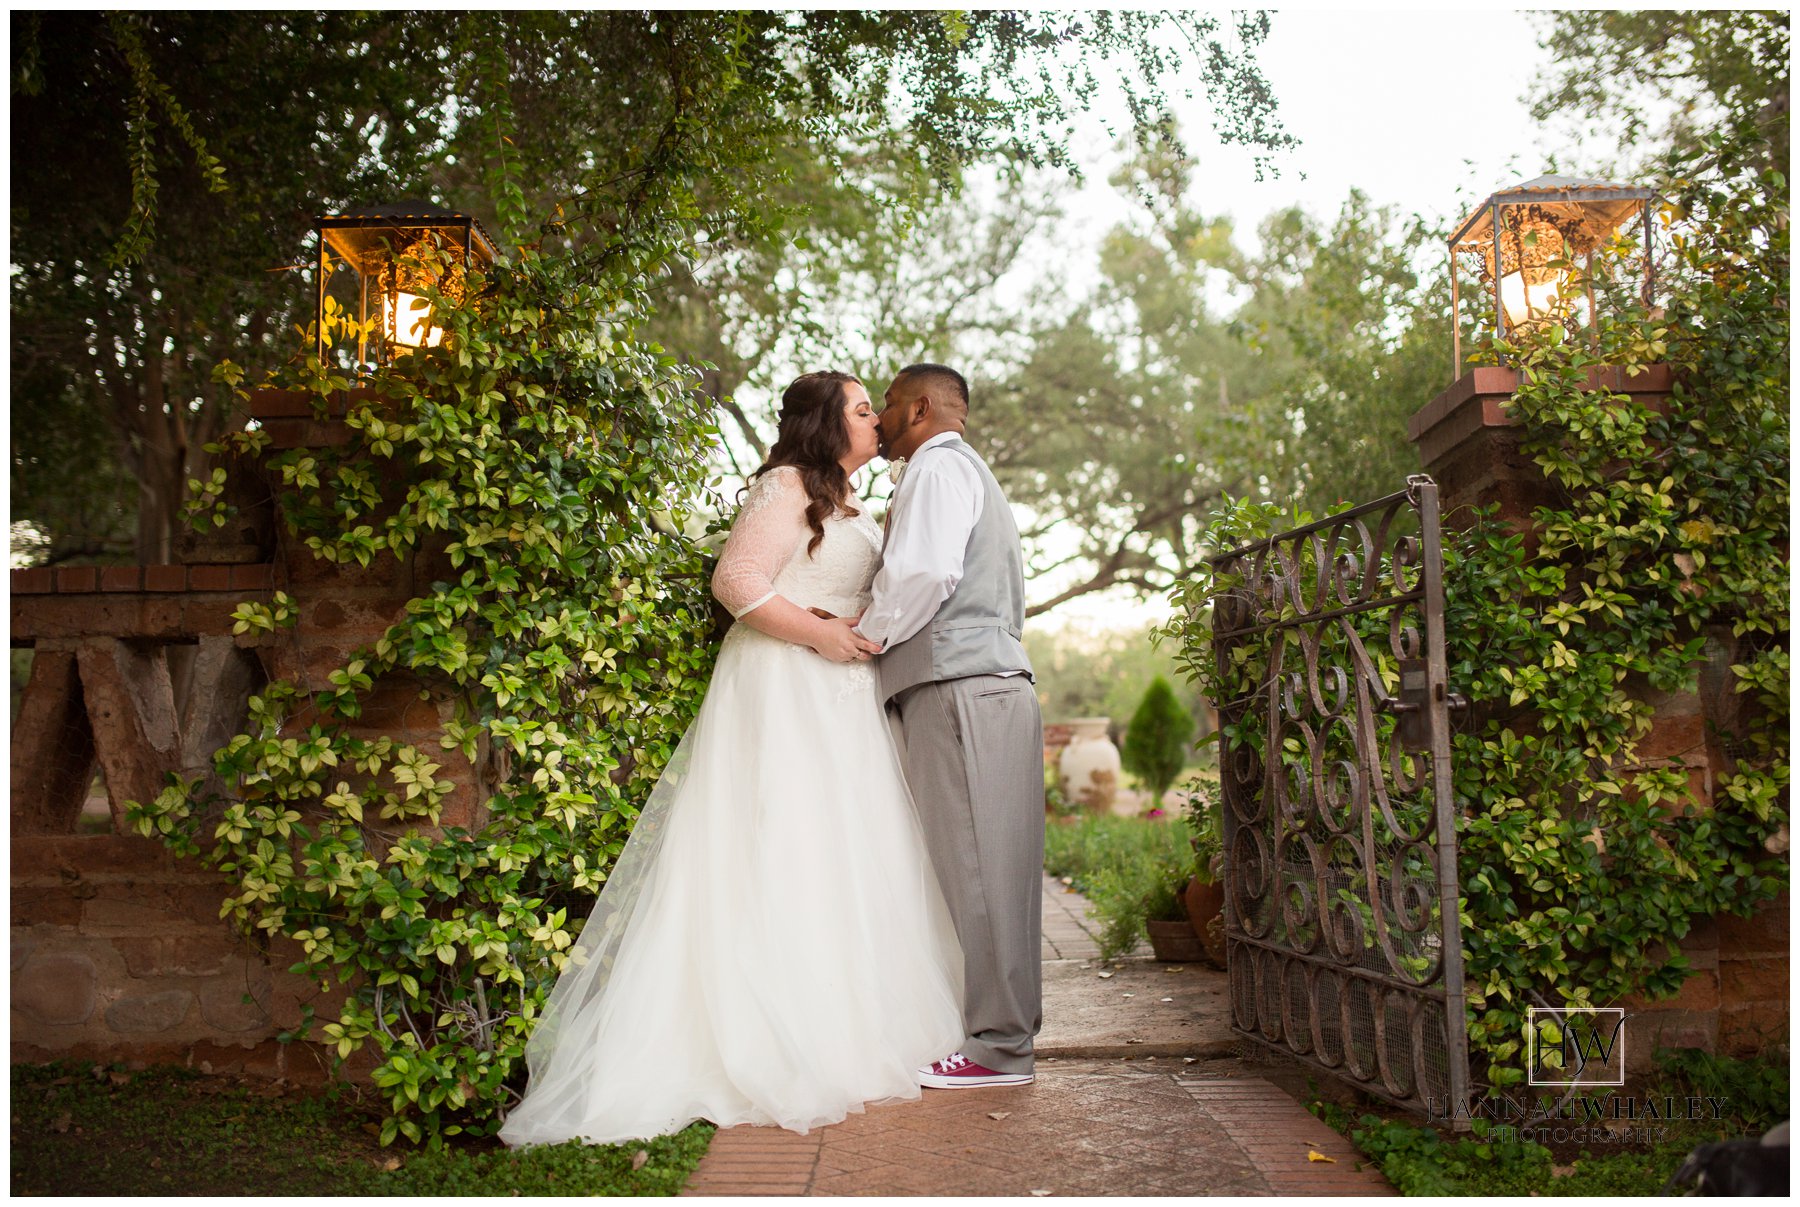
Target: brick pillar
{"x": 344, "y": 607}
{"x": 1469, "y": 444}
{"x": 1737, "y": 1000}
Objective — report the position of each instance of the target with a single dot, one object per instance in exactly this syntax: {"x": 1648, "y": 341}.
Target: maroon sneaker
{"x": 958, "y": 1072}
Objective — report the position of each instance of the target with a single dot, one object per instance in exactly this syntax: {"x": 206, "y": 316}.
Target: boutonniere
{"x": 896, "y": 471}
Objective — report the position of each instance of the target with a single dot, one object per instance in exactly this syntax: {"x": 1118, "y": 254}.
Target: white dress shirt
{"x": 934, "y": 510}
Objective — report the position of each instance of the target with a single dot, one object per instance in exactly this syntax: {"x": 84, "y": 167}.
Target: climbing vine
{"x": 1658, "y": 567}
{"x": 548, "y": 456}
{"x": 1660, "y": 564}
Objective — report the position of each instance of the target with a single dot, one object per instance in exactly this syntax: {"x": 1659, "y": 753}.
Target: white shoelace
{"x": 952, "y": 1063}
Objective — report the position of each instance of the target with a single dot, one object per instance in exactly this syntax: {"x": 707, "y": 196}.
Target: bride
{"x": 772, "y": 946}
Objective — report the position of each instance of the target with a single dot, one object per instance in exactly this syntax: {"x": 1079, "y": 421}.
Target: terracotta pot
{"x": 1090, "y": 765}
{"x": 1174, "y": 943}
{"x": 1206, "y": 918}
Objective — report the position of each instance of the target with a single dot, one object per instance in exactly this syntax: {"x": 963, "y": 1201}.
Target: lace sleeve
{"x": 769, "y": 528}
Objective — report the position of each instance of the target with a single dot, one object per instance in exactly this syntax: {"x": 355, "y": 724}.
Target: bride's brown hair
{"x": 812, "y": 437}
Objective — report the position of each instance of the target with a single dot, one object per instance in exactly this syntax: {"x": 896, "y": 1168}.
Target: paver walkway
{"x": 1131, "y": 1098}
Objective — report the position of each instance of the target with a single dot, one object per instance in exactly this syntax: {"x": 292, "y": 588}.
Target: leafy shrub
{"x": 1130, "y": 869}
{"x": 538, "y": 443}
{"x": 1156, "y": 744}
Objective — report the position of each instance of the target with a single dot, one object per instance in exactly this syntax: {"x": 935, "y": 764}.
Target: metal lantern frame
{"x": 370, "y": 240}
{"x": 1585, "y": 212}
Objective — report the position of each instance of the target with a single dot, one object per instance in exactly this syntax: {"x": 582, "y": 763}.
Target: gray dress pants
{"x": 973, "y": 753}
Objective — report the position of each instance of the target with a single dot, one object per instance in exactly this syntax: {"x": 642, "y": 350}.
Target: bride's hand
{"x": 836, "y": 642}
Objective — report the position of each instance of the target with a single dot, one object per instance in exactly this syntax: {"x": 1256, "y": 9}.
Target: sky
{"x": 1422, "y": 109}
{"x": 1394, "y": 103}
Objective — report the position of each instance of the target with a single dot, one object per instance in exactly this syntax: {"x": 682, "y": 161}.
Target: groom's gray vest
{"x": 976, "y": 631}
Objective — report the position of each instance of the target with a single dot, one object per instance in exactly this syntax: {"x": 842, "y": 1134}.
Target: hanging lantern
{"x": 1525, "y": 235}
{"x": 401, "y": 251}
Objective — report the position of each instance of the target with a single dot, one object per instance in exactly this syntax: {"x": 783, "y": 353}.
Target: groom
{"x": 949, "y": 601}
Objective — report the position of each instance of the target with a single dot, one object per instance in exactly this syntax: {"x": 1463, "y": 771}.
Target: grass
{"x": 1421, "y": 1161}
{"x": 1083, "y": 848}
{"x": 1130, "y": 869}
{"x": 80, "y": 1129}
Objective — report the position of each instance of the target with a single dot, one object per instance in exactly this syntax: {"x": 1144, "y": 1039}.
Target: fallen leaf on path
{"x": 998, "y": 1114}
{"x": 1171, "y": 970}
{"x": 1105, "y": 975}
{"x": 1040, "y": 1193}
{"x": 639, "y": 1159}
{"x": 1317, "y": 1156}
{"x": 391, "y": 1164}
{"x": 1134, "y": 1041}
{"x": 61, "y": 1122}
{"x": 1188, "y": 1060}
{"x": 1167, "y": 999}
{"x": 1131, "y": 995}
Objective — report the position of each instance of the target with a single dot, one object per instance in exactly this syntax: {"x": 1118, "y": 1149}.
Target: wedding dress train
{"x": 772, "y": 946}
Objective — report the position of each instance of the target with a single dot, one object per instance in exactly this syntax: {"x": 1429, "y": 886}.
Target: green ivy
{"x": 547, "y": 454}
{"x": 1584, "y": 866}
{"x": 1663, "y": 548}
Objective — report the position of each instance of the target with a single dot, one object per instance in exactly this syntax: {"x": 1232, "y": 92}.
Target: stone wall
{"x": 1736, "y": 1003}
{"x": 118, "y": 951}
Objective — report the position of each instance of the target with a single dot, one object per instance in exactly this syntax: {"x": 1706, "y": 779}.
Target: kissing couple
{"x": 832, "y": 896}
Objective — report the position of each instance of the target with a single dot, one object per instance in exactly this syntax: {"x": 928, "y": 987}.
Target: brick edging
{"x": 757, "y": 1160}
{"x": 1277, "y": 1134}
{"x": 83, "y": 580}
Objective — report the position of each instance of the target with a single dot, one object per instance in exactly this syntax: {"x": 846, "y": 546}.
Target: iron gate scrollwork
{"x": 1343, "y": 942}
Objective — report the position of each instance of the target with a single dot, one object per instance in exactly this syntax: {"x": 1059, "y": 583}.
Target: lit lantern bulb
{"x": 1524, "y": 302}
{"x": 414, "y": 329}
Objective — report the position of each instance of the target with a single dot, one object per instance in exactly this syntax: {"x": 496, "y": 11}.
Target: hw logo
{"x": 1575, "y": 1047}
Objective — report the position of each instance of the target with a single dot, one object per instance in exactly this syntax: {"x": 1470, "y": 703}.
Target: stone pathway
{"x": 1137, "y": 1093}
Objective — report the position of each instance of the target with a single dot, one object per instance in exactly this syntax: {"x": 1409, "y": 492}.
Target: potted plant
{"x": 1139, "y": 892}
{"x": 1204, "y": 896}
{"x": 1173, "y": 938}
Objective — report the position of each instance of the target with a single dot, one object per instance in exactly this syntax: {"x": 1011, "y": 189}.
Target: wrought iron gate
{"x": 1344, "y": 946}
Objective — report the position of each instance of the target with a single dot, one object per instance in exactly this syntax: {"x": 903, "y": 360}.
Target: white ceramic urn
{"x": 1090, "y": 765}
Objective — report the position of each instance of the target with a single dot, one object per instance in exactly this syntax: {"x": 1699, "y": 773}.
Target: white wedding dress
{"x": 772, "y": 946}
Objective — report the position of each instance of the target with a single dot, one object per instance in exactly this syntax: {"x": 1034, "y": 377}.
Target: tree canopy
{"x": 1196, "y": 370}
{"x": 1618, "y": 68}
{"x": 177, "y": 159}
